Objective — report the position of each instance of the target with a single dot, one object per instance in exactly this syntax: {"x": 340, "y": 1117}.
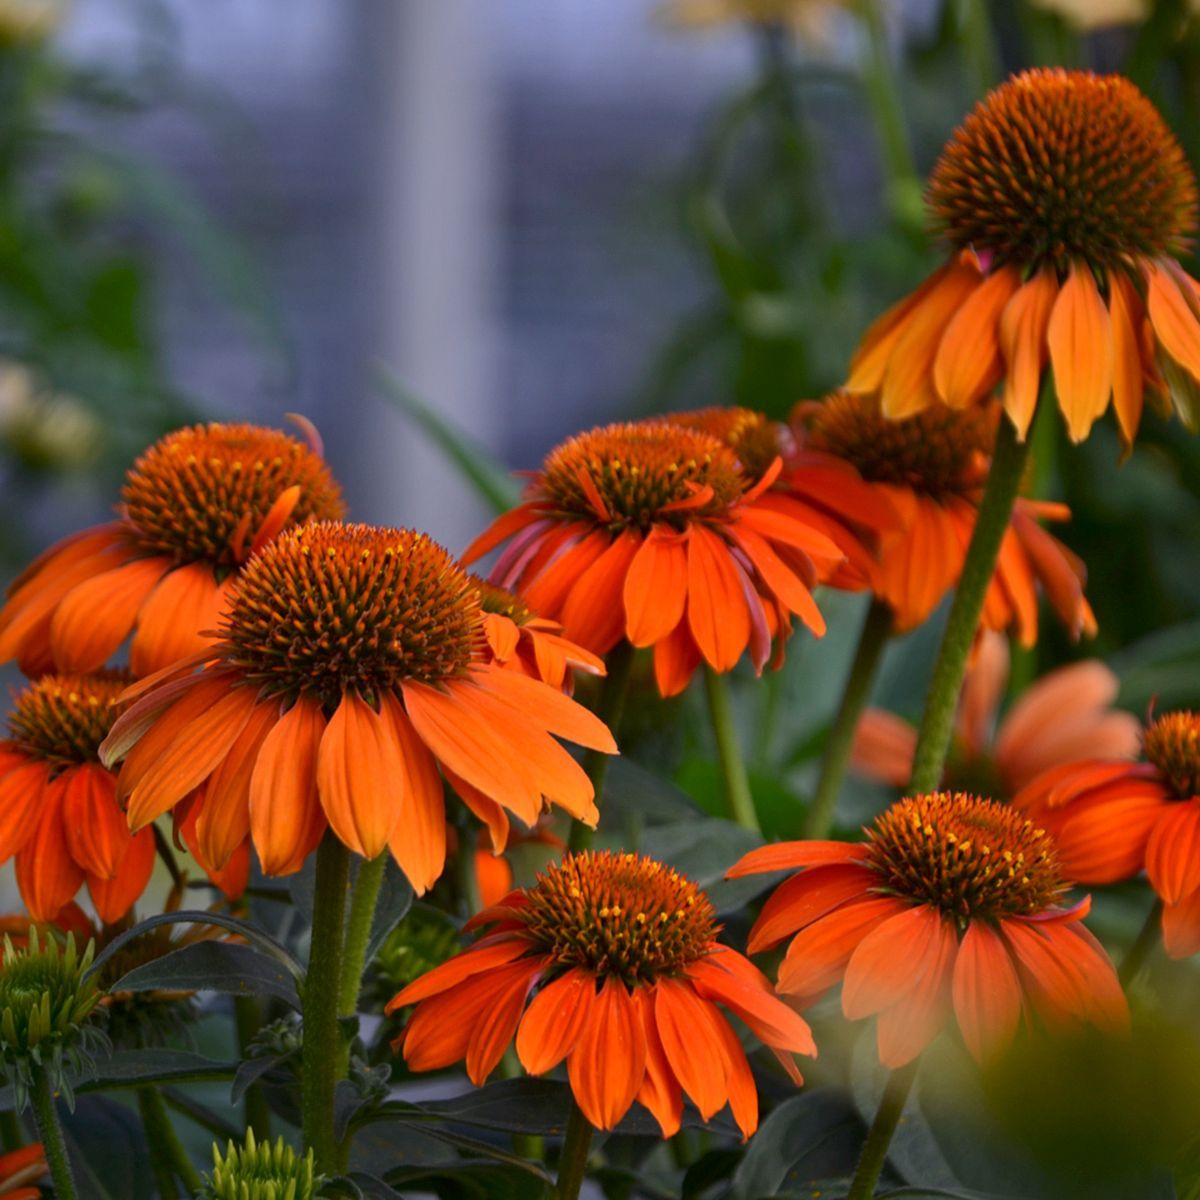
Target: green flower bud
{"x": 46, "y": 1001}
{"x": 261, "y": 1172}
{"x": 424, "y": 939}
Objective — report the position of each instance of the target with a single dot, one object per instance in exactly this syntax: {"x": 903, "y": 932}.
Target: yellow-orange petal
{"x": 1173, "y": 317}
{"x": 554, "y": 1021}
{"x": 968, "y": 363}
{"x": 1081, "y": 352}
{"x": 1023, "y": 327}
{"x": 608, "y": 1062}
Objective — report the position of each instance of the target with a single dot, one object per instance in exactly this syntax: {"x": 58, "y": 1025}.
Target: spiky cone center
{"x": 261, "y": 1171}
{"x": 502, "y": 602}
{"x": 631, "y": 475}
{"x": 329, "y": 608}
{"x": 752, "y": 436}
{"x": 1057, "y": 166}
{"x": 62, "y": 719}
{"x": 968, "y": 857}
{"x": 938, "y": 451}
{"x": 200, "y": 494}
{"x": 1172, "y": 744}
{"x": 619, "y": 915}
{"x": 43, "y": 995}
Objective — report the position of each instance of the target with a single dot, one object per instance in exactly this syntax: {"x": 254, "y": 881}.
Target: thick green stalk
{"x": 168, "y": 1158}
{"x": 738, "y": 796}
{"x": 879, "y": 1136}
{"x": 1143, "y": 944}
{"x": 364, "y": 897}
{"x": 321, "y": 1051}
{"x": 995, "y": 511}
{"x": 572, "y": 1165}
{"x": 877, "y": 628}
{"x": 51, "y": 1136}
{"x": 609, "y": 708}
{"x": 248, "y": 1017}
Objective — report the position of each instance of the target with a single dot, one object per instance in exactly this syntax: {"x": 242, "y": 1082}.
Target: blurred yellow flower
{"x": 23, "y": 21}
{"x": 43, "y": 428}
{"x": 1099, "y": 14}
{"x": 807, "y": 17}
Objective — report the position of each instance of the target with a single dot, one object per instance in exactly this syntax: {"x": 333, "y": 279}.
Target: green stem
{"x": 168, "y": 1158}
{"x": 877, "y": 628}
{"x": 247, "y": 1013}
{"x": 321, "y": 1052}
{"x": 572, "y": 1165}
{"x": 1143, "y": 944}
{"x": 363, "y": 900}
{"x": 609, "y": 708}
{"x": 887, "y": 109}
{"x": 11, "y": 1136}
{"x": 51, "y": 1136}
{"x": 979, "y": 42}
{"x": 733, "y": 769}
{"x": 879, "y": 1136}
{"x": 995, "y": 511}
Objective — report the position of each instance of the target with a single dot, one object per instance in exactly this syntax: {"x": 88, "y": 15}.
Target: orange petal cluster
{"x": 610, "y": 962}
{"x": 1113, "y": 818}
{"x": 348, "y": 679}
{"x": 948, "y": 913}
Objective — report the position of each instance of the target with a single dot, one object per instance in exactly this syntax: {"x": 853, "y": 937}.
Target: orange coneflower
{"x": 949, "y": 909}
{"x": 1062, "y": 717}
{"x": 653, "y": 533}
{"x": 58, "y": 807}
{"x": 194, "y": 508}
{"x": 349, "y": 667}
{"x": 622, "y": 954}
{"x": 1065, "y": 198}
{"x": 21, "y": 1168}
{"x": 931, "y": 469}
{"x": 1112, "y": 819}
{"x": 517, "y": 638}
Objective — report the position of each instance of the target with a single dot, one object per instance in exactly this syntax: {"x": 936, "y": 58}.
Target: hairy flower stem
{"x": 879, "y": 1136}
{"x": 738, "y": 797}
{"x": 321, "y": 1052}
{"x": 363, "y": 899}
{"x": 1143, "y": 944}
{"x": 877, "y": 628}
{"x": 168, "y": 1158}
{"x": 51, "y": 1135}
{"x": 572, "y": 1165}
{"x": 248, "y": 1017}
{"x": 609, "y": 708}
{"x": 995, "y": 511}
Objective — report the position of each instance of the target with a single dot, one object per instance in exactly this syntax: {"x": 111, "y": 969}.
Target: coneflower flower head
{"x": 261, "y": 1171}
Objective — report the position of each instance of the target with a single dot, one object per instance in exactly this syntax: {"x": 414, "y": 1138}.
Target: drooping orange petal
{"x": 789, "y": 589}
{"x": 484, "y": 956}
{"x": 686, "y": 1021}
{"x": 660, "y": 1092}
{"x": 1173, "y": 318}
{"x": 493, "y": 1031}
{"x": 968, "y": 363}
{"x": 286, "y": 819}
{"x": 1105, "y": 841}
{"x": 676, "y": 658}
{"x": 784, "y": 856}
{"x": 418, "y": 840}
{"x": 47, "y": 876}
{"x": 1081, "y": 352}
{"x": 557, "y": 713}
{"x": 97, "y": 831}
{"x": 1127, "y": 316}
{"x": 485, "y": 809}
{"x": 739, "y": 1079}
{"x": 554, "y": 1021}
{"x": 1023, "y": 327}
{"x": 608, "y": 1062}
{"x": 805, "y": 898}
{"x": 277, "y": 517}
{"x": 185, "y": 604}
{"x": 884, "y": 745}
{"x": 22, "y": 792}
{"x": 771, "y": 1021}
{"x": 358, "y": 766}
{"x": 95, "y": 616}
{"x": 114, "y": 897}
{"x": 192, "y": 755}
{"x": 500, "y": 530}
{"x": 1173, "y": 852}
{"x": 548, "y": 592}
{"x": 891, "y": 960}
{"x": 905, "y": 1028}
{"x": 594, "y": 612}
{"x": 656, "y": 587}
{"x": 1181, "y": 926}
{"x": 986, "y": 991}
{"x": 716, "y": 613}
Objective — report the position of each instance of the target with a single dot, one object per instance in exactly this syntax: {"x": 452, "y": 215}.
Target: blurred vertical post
{"x": 435, "y": 135}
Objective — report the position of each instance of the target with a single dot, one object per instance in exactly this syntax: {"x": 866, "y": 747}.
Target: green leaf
{"x": 133, "y": 1068}
{"x": 492, "y": 482}
{"x": 395, "y": 899}
{"x": 214, "y": 967}
{"x": 812, "y": 1136}
{"x": 107, "y": 1149}
{"x": 1163, "y": 668}
{"x": 251, "y": 933}
{"x": 704, "y": 848}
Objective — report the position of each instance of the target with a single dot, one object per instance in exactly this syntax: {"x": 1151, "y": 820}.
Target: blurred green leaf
{"x": 1163, "y": 668}
{"x": 703, "y": 849}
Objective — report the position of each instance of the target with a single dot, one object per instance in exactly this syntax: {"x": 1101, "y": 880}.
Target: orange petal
{"x": 418, "y": 841}
{"x": 114, "y": 897}
{"x": 554, "y": 1021}
{"x": 656, "y": 586}
{"x": 805, "y": 898}
{"x": 787, "y": 587}
{"x": 286, "y": 820}
{"x": 717, "y": 614}
{"x": 909, "y": 1025}
{"x": 1173, "y": 317}
{"x": 47, "y": 876}
{"x": 594, "y": 612}
{"x": 97, "y": 831}
{"x": 485, "y": 809}
{"x": 558, "y": 714}
{"x": 883, "y": 748}
{"x": 22, "y": 792}
{"x": 95, "y": 616}
{"x": 1127, "y": 316}
{"x": 676, "y": 658}
{"x": 1173, "y": 852}
{"x": 817, "y": 955}
{"x": 968, "y": 363}
{"x": 485, "y": 955}
{"x": 1081, "y": 352}
{"x": 784, "y": 856}
{"x": 495, "y": 1027}
{"x": 1181, "y": 926}
{"x": 609, "y": 1060}
{"x": 1105, "y": 841}
{"x": 986, "y": 991}
{"x": 185, "y": 604}
{"x": 891, "y": 960}
{"x": 686, "y": 1021}
{"x": 1023, "y": 327}
{"x": 357, "y": 768}
{"x": 660, "y": 1092}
